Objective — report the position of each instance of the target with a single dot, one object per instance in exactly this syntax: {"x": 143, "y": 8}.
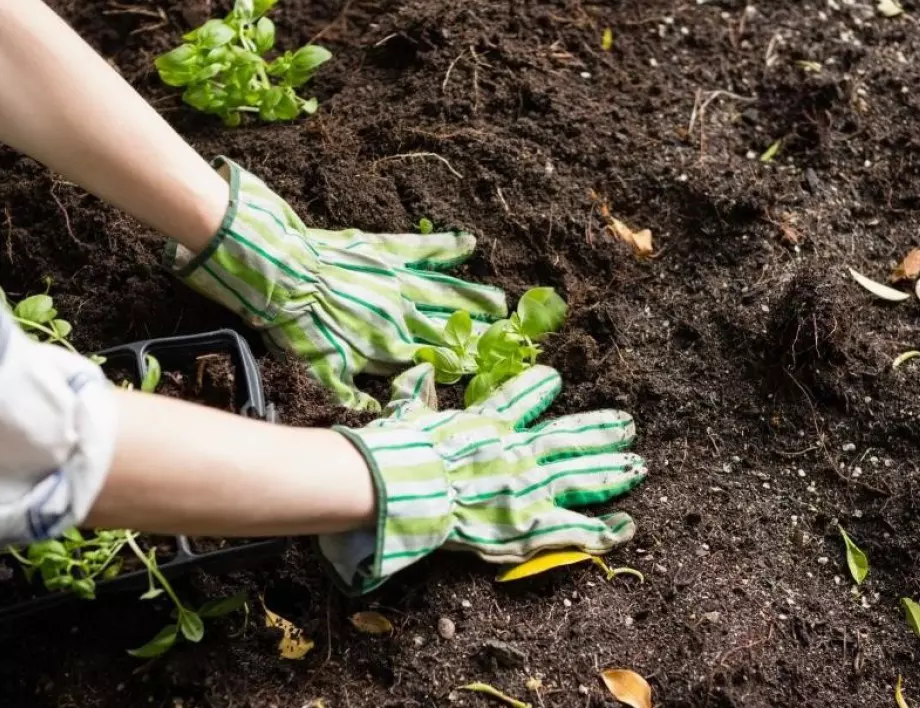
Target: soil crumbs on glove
{"x": 759, "y": 375}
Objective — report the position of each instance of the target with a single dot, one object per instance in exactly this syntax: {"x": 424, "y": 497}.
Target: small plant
{"x": 151, "y": 378}
{"x": 38, "y": 318}
{"x": 222, "y": 68}
{"x": 76, "y": 563}
{"x": 504, "y": 350}
{"x": 425, "y": 226}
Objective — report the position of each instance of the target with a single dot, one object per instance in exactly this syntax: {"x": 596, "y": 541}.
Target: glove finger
{"x": 435, "y": 251}
{"x": 438, "y": 293}
{"x": 554, "y": 529}
{"x": 579, "y": 434}
{"x": 329, "y": 360}
{"x": 411, "y": 392}
{"x": 524, "y": 398}
{"x": 593, "y": 479}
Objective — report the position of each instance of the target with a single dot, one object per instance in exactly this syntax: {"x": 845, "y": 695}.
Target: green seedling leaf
{"x": 212, "y": 34}
{"x": 152, "y": 377}
{"x": 244, "y": 9}
{"x": 178, "y": 66}
{"x": 459, "y": 330}
{"x": 425, "y": 226}
{"x": 856, "y": 559}
{"x": 62, "y": 328}
{"x": 899, "y": 694}
{"x": 541, "y": 311}
{"x": 771, "y": 152}
{"x": 37, "y": 309}
{"x": 260, "y": 7}
{"x": 447, "y": 365}
{"x": 159, "y": 645}
{"x": 485, "y": 688}
{"x": 304, "y": 63}
{"x": 152, "y": 594}
{"x": 84, "y": 588}
{"x": 191, "y": 625}
{"x": 223, "y": 606}
{"x": 264, "y": 35}
{"x": 73, "y": 535}
{"x": 912, "y": 613}
{"x": 479, "y": 387}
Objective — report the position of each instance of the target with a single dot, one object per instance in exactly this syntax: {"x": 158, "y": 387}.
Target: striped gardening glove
{"x": 479, "y": 480}
{"x": 342, "y": 301}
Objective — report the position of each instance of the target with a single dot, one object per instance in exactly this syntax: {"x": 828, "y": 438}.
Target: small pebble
{"x": 418, "y": 640}
{"x": 446, "y": 628}
{"x": 583, "y": 690}
{"x": 822, "y": 560}
{"x": 466, "y": 604}
{"x": 848, "y": 447}
{"x": 585, "y": 74}
{"x": 566, "y": 602}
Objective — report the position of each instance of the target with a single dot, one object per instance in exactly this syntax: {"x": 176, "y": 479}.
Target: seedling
{"x": 425, "y": 226}
{"x": 222, "y": 68}
{"x": 504, "y": 350}
{"x": 76, "y": 563}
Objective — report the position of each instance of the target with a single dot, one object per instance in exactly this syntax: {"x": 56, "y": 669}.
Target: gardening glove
{"x": 479, "y": 480}
{"x": 342, "y": 301}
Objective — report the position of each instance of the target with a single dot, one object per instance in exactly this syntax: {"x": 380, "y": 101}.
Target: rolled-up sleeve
{"x": 57, "y": 435}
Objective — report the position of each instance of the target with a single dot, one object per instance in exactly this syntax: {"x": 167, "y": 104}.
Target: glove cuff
{"x": 414, "y": 504}
{"x": 249, "y": 264}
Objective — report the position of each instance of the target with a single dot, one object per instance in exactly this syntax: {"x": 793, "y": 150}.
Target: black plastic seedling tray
{"x": 173, "y": 352}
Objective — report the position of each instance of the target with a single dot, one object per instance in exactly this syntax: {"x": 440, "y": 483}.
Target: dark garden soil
{"x": 759, "y": 374}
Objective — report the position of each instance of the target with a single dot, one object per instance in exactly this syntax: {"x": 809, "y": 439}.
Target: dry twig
{"x": 410, "y": 155}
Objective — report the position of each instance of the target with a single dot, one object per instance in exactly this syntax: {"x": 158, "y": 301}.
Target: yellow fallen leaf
{"x": 542, "y": 563}
{"x": 877, "y": 289}
{"x": 889, "y": 8}
{"x": 480, "y": 687}
{"x": 628, "y": 687}
{"x": 908, "y": 269}
{"x": 607, "y": 40}
{"x": 906, "y": 356}
{"x": 899, "y": 695}
{"x": 371, "y": 623}
{"x": 293, "y": 645}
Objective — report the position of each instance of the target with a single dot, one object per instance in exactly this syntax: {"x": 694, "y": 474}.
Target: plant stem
{"x": 55, "y": 337}
{"x": 155, "y": 571}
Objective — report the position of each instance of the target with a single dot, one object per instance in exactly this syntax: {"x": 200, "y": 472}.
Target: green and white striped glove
{"x": 479, "y": 480}
{"x": 342, "y": 301}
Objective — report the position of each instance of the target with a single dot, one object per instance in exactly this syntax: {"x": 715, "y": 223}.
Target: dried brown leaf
{"x": 908, "y": 269}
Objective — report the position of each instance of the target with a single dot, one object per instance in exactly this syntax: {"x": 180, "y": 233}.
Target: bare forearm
{"x": 63, "y": 105}
{"x": 181, "y": 468}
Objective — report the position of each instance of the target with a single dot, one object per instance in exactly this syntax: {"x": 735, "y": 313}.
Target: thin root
{"x": 66, "y": 218}
{"x": 409, "y": 155}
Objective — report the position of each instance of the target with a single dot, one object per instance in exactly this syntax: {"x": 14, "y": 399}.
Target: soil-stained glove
{"x": 479, "y": 480}
{"x": 57, "y": 435}
{"x": 342, "y": 301}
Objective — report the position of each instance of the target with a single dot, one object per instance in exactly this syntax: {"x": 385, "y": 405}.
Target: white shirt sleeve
{"x": 57, "y": 435}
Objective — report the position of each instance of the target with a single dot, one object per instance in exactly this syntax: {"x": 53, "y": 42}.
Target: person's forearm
{"x": 182, "y": 468}
{"x": 63, "y": 105}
